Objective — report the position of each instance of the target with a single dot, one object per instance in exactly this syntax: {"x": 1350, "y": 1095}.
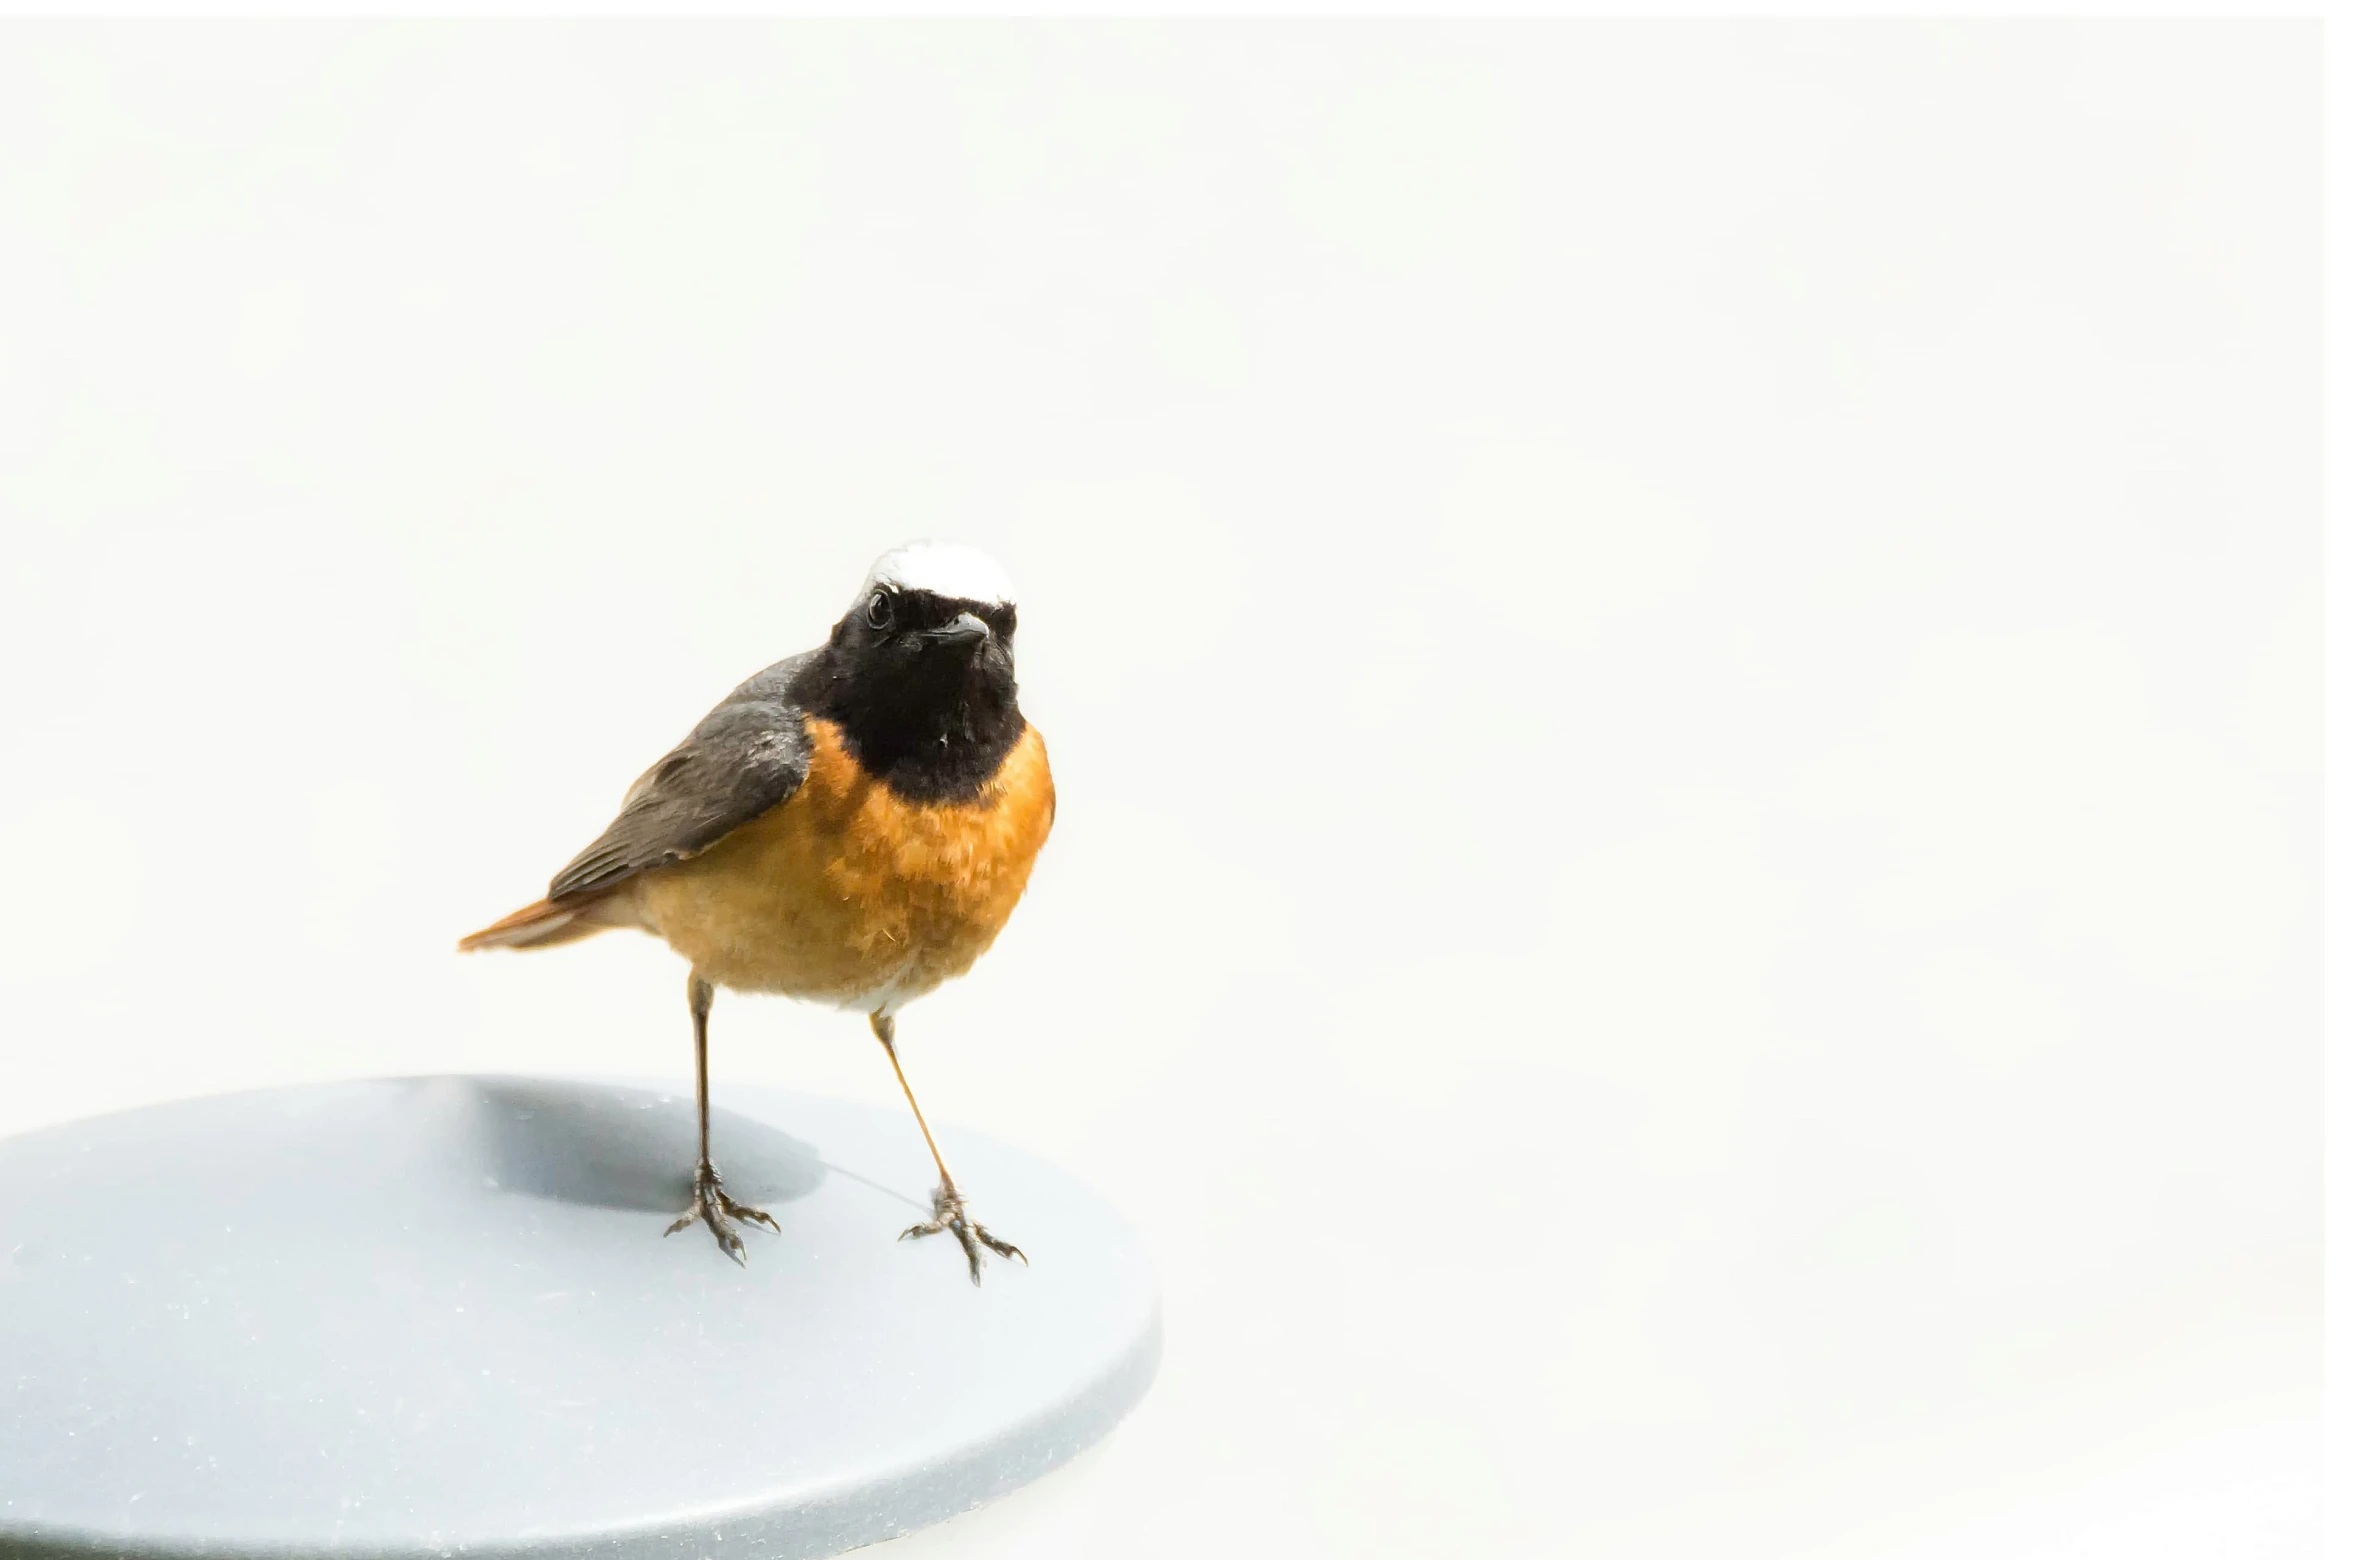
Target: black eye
{"x": 880, "y": 611}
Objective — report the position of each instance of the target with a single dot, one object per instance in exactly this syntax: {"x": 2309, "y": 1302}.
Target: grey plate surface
{"x": 434, "y": 1316}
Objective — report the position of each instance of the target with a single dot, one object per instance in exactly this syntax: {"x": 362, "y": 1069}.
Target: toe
{"x": 724, "y": 1236}
{"x": 746, "y": 1215}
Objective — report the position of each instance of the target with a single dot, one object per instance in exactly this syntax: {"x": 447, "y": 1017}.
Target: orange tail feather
{"x": 538, "y": 925}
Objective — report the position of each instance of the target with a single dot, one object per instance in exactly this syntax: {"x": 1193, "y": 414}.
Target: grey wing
{"x": 742, "y": 760}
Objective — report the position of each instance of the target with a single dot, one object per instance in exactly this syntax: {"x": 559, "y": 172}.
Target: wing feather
{"x": 744, "y": 758}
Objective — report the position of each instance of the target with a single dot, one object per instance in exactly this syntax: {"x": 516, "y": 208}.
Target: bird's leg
{"x": 950, "y": 1209}
{"x": 709, "y": 1202}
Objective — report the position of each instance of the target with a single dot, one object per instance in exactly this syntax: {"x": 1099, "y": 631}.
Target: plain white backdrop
{"x": 1683, "y": 662}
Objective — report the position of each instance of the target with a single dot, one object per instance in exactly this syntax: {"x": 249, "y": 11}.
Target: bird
{"x": 852, "y": 826}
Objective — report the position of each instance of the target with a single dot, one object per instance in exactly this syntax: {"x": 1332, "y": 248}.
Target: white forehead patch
{"x": 945, "y": 568}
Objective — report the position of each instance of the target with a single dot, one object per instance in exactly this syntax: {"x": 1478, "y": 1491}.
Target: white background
{"x": 1682, "y": 662}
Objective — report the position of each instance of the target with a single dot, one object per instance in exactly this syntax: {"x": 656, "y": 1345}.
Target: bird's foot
{"x": 711, "y": 1204}
{"x": 950, "y": 1213}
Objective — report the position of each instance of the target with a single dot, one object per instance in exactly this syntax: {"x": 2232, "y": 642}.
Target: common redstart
{"x": 852, "y": 825}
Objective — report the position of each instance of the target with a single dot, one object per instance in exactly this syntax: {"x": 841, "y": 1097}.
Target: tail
{"x": 538, "y": 925}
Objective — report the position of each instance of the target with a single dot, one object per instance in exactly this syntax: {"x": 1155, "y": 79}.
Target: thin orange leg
{"x": 950, "y": 1209}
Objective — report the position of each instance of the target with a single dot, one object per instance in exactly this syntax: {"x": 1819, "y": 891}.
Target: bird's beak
{"x": 965, "y": 629}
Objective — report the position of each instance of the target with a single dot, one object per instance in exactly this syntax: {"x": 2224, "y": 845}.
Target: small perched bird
{"x": 852, "y": 825}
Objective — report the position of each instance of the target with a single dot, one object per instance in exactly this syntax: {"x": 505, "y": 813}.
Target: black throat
{"x": 934, "y": 725}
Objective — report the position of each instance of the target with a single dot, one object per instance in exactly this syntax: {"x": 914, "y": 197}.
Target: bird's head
{"x": 922, "y": 668}
{"x": 920, "y": 673}
{"x": 931, "y": 618}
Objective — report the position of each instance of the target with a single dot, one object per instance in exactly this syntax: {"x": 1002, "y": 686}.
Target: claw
{"x": 950, "y": 1213}
{"x": 712, "y": 1205}
{"x": 745, "y": 1215}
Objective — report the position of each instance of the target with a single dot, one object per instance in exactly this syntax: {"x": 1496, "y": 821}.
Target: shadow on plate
{"x": 611, "y": 1147}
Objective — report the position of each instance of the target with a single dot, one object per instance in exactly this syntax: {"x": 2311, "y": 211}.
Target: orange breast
{"x": 849, "y": 894}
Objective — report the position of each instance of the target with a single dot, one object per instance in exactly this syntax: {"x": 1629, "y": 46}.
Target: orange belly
{"x": 846, "y": 893}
